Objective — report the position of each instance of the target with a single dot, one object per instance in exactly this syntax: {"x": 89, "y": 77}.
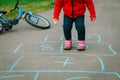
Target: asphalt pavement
{"x": 29, "y": 53}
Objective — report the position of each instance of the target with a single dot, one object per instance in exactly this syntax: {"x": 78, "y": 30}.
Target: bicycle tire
{"x": 1, "y": 29}
{"x": 37, "y": 21}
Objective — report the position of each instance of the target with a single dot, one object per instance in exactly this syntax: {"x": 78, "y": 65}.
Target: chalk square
{"x": 59, "y": 62}
{"x": 40, "y": 47}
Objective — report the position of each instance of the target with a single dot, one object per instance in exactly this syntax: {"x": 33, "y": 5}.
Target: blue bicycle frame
{"x": 21, "y": 13}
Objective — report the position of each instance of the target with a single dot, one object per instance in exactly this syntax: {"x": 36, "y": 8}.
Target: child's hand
{"x": 55, "y": 21}
{"x": 93, "y": 19}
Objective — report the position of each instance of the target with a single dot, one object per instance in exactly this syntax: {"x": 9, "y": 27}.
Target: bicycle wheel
{"x": 1, "y": 28}
{"x": 37, "y": 21}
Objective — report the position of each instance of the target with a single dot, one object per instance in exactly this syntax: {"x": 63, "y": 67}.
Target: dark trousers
{"x": 79, "y": 24}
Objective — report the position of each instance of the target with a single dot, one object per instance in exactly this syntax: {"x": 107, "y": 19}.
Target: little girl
{"x": 74, "y": 11}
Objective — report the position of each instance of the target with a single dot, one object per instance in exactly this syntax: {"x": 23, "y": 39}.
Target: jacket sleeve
{"x": 91, "y": 8}
{"x": 57, "y": 8}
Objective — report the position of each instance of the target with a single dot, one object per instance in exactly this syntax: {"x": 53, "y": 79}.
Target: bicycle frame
{"x": 3, "y": 19}
{"x": 21, "y": 13}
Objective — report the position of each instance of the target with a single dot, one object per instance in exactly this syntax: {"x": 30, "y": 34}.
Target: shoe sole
{"x": 81, "y": 49}
{"x": 68, "y": 48}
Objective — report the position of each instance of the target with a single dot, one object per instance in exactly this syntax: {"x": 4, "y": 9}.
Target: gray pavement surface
{"x": 28, "y": 53}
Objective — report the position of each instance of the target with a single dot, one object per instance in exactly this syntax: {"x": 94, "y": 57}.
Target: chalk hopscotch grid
{"x": 11, "y": 69}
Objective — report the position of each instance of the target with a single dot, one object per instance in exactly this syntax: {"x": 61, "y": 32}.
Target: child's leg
{"x": 80, "y": 27}
{"x": 67, "y": 27}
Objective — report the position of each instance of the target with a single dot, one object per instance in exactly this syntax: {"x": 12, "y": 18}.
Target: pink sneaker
{"x": 68, "y": 44}
{"x": 81, "y": 45}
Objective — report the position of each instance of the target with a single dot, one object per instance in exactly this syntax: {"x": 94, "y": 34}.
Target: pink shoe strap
{"x": 68, "y": 42}
{"x": 81, "y": 43}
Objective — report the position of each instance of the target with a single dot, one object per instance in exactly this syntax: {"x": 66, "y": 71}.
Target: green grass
{"x": 35, "y": 6}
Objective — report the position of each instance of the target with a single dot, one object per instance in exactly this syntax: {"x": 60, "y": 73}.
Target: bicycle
{"x": 33, "y": 19}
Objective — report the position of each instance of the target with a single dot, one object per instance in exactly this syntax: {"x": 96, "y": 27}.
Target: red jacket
{"x": 74, "y": 8}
